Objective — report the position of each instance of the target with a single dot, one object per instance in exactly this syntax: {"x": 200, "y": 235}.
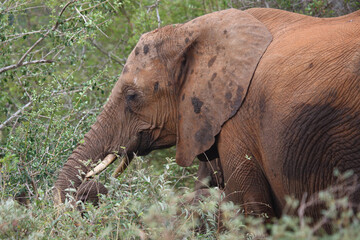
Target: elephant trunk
{"x": 97, "y": 144}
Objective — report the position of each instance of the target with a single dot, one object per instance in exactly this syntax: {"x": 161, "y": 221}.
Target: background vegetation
{"x": 58, "y": 63}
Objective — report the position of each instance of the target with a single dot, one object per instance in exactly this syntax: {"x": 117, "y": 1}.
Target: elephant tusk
{"x": 122, "y": 166}
{"x": 104, "y": 163}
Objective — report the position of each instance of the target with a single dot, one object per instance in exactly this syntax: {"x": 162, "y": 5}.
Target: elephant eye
{"x": 131, "y": 95}
{"x": 133, "y": 99}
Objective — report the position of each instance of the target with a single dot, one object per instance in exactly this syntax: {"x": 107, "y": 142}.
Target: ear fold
{"x": 222, "y": 51}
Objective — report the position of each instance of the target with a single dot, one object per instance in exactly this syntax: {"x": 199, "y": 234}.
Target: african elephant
{"x": 273, "y": 94}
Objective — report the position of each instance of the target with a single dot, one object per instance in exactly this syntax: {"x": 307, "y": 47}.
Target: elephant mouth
{"x": 145, "y": 142}
{"x": 143, "y": 147}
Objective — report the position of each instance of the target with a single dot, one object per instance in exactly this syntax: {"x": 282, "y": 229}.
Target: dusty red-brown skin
{"x": 279, "y": 87}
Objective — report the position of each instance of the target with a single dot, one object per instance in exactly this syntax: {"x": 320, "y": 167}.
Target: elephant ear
{"x": 217, "y": 55}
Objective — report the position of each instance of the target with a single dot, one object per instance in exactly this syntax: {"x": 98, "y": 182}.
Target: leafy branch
{"x": 22, "y": 59}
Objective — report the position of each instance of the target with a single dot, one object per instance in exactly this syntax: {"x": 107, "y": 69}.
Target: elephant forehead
{"x": 147, "y": 47}
{"x": 143, "y": 75}
{"x": 145, "y": 66}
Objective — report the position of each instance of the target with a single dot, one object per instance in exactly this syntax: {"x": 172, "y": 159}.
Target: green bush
{"x": 150, "y": 207}
{"x": 58, "y": 63}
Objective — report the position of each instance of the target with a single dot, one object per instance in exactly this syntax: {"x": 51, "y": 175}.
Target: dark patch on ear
{"x": 183, "y": 97}
{"x": 156, "y": 87}
{"x": 146, "y": 48}
{"x": 204, "y": 135}
{"x": 211, "y": 61}
{"x": 213, "y": 76}
{"x": 137, "y": 51}
{"x": 311, "y": 65}
{"x": 228, "y": 95}
{"x": 225, "y": 31}
{"x": 187, "y": 40}
{"x": 197, "y": 104}
{"x": 125, "y": 69}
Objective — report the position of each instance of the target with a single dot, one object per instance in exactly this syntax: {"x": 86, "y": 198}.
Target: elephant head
{"x": 179, "y": 85}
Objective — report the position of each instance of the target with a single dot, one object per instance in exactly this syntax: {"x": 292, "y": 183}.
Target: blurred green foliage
{"x": 58, "y": 63}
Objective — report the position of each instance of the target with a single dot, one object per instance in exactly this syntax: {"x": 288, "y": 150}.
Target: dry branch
{"x": 156, "y": 6}
{"x": 4, "y": 69}
{"x": 109, "y": 54}
{"x": 14, "y": 115}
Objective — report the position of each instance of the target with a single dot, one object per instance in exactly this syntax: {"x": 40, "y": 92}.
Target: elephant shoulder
{"x": 279, "y": 21}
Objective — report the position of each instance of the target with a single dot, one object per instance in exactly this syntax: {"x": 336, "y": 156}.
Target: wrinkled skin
{"x": 276, "y": 94}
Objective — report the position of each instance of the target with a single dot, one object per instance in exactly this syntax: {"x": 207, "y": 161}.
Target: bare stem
{"x": 156, "y": 6}
{"x": 15, "y": 115}
{"x": 7, "y": 68}
{"x": 109, "y": 54}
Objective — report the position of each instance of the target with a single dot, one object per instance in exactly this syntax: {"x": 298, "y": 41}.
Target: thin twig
{"x": 158, "y": 17}
{"x": 22, "y": 86}
{"x": 15, "y": 115}
{"x": 22, "y": 9}
{"x": 16, "y": 36}
{"x": 92, "y": 7}
{"x": 84, "y": 18}
{"x": 61, "y": 49}
{"x": 156, "y": 6}
{"x": 110, "y": 55}
{"x": 4, "y": 69}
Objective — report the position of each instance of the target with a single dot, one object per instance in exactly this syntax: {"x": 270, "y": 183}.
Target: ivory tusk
{"x": 104, "y": 163}
{"x": 122, "y": 166}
